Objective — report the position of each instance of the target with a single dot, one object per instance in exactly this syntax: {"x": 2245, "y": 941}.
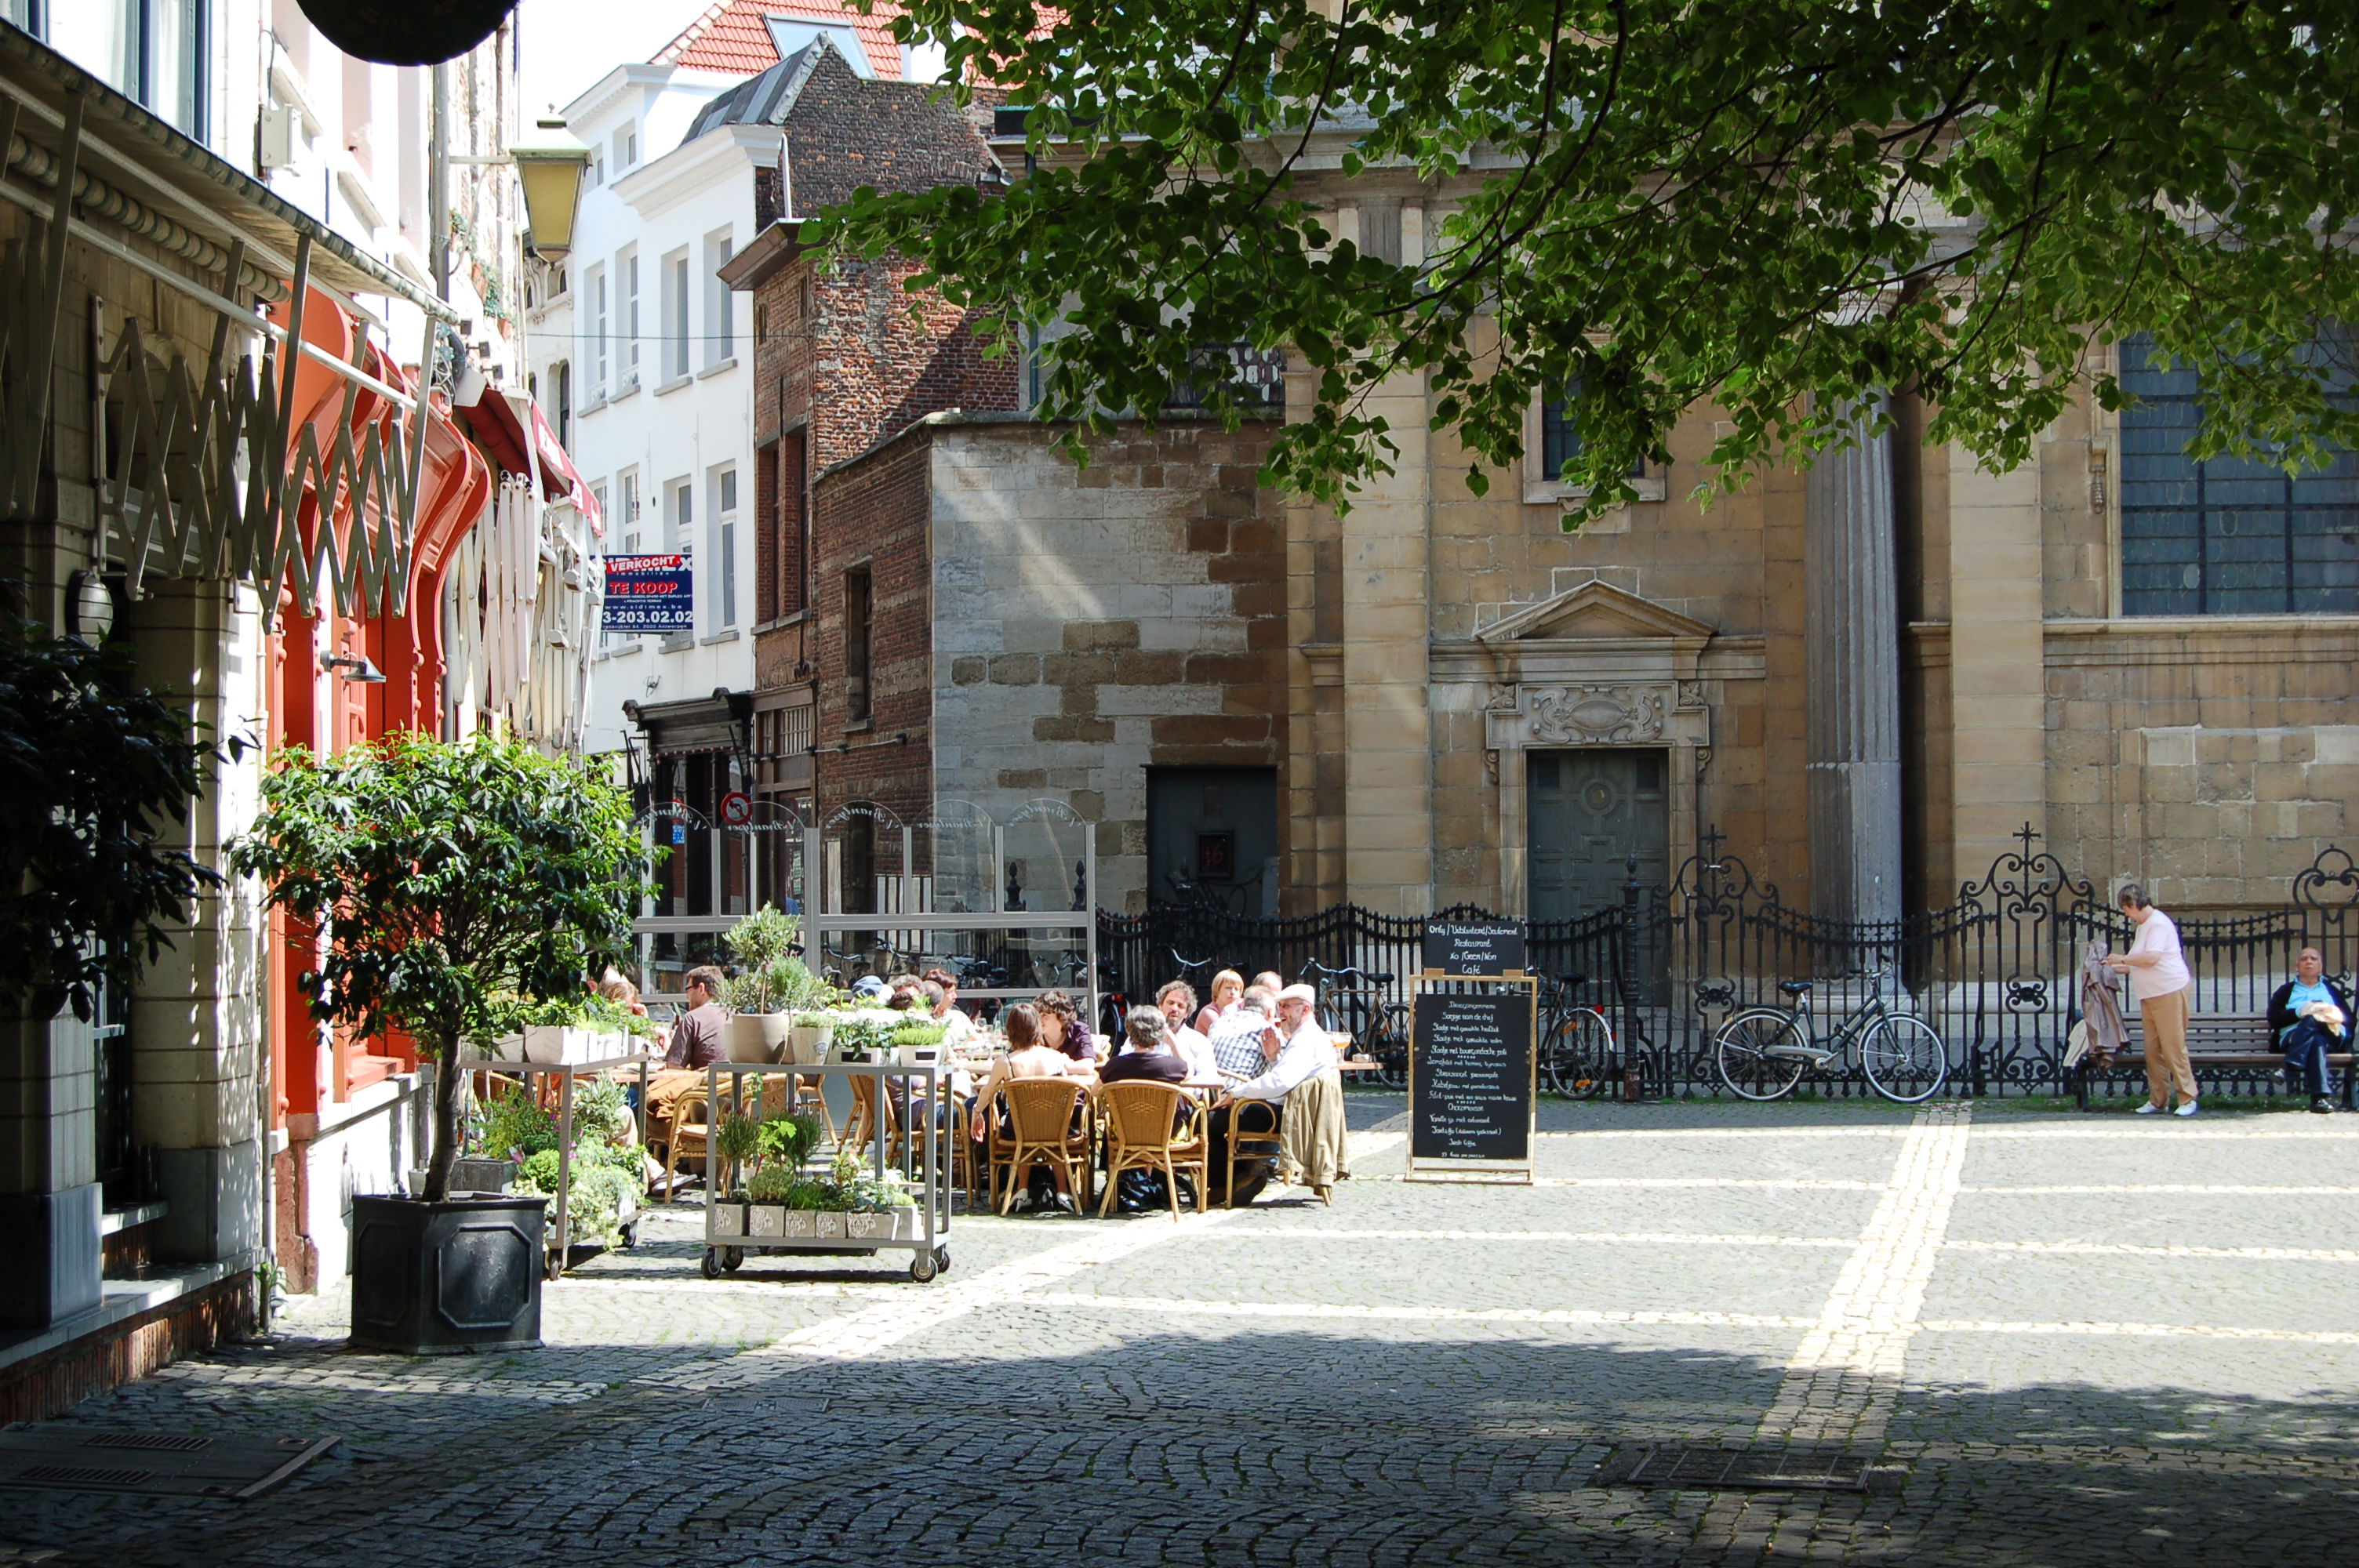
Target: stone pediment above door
{"x": 1596, "y": 632}
{"x": 1591, "y": 611}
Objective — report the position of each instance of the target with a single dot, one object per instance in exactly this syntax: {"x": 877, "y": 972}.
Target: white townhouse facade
{"x": 648, "y": 359}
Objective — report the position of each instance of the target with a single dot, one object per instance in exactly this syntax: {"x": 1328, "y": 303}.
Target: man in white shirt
{"x": 1303, "y": 1080}
{"x": 2157, "y": 972}
{"x": 1307, "y": 1051}
{"x": 1177, "y": 1002}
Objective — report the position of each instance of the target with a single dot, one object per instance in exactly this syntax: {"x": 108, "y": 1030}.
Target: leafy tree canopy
{"x": 448, "y": 880}
{"x": 1776, "y": 207}
{"x": 92, "y": 770}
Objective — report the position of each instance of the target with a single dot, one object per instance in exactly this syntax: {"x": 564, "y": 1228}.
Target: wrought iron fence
{"x": 1996, "y": 971}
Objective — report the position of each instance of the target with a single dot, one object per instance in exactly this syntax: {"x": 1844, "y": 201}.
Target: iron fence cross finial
{"x": 2028, "y": 835}
{"x": 1710, "y": 841}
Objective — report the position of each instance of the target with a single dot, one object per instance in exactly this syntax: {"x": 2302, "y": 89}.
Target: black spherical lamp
{"x": 406, "y": 32}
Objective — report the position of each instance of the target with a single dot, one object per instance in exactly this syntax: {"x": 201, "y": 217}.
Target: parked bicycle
{"x": 1762, "y": 1052}
{"x": 1579, "y": 1054}
{"x": 1355, "y": 1000}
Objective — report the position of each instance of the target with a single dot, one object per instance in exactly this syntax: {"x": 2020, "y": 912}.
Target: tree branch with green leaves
{"x": 1776, "y": 210}
{"x": 448, "y": 882}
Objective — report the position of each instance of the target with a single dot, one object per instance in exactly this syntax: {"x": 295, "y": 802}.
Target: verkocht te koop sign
{"x": 649, "y": 594}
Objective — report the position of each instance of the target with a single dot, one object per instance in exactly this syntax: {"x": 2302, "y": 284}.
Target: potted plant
{"x": 772, "y": 981}
{"x": 442, "y": 878}
{"x": 858, "y": 1038}
{"x": 917, "y": 1041}
{"x": 812, "y": 1034}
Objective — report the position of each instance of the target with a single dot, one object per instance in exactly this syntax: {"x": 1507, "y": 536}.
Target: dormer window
{"x": 791, "y": 35}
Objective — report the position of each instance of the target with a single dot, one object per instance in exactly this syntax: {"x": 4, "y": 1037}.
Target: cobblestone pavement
{"x": 2063, "y": 1339}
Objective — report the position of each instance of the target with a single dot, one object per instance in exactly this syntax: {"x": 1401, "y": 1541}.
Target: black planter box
{"x": 439, "y": 1279}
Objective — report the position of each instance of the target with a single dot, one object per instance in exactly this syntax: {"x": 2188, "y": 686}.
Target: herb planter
{"x": 444, "y": 1278}
{"x": 765, "y": 1221}
{"x": 884, "y": 1225}
{"x": 560, "y": 1045}
{"x": 800, "y": 1223}
{"x": 830, "y": 1225}
{"x": 726, "y": 1219}
{"x": 808, "y": 1042}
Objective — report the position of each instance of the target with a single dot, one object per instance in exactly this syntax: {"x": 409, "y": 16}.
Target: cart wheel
{"x": 922, "y": 1266}
{"x": 942, "y": 1258}
{"x": 734, "y": 1258}
{"x": 630, "y": 1236}
{"x": 711, "y": 1264}
{"x": 553, "y": 1265}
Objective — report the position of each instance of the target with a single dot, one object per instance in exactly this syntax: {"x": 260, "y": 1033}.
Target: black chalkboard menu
{"x": 1473, "y": 947}
{"x": 1470, "y": 1092}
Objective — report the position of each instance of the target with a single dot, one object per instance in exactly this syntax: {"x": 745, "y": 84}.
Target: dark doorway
{"x": 1212, "y": 832}
{"x": 1591, "y": 810}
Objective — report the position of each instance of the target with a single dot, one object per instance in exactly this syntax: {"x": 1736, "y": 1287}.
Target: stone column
{"x": 1851, "y": 645}
{"x": 1386, "y": 709}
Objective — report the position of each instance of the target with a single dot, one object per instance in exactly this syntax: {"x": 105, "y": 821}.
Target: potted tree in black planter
{"x": 446, "y": 880}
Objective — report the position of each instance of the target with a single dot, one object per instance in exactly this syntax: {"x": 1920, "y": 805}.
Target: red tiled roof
{"x": 731, "y": 36}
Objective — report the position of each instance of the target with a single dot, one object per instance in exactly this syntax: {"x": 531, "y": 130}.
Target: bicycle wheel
{"x": 1905, "y": 1059}
{"x": 1577, "y": 1056}
{"x": 1760, "y": 1053}
{"x": 1389, "y": 1044}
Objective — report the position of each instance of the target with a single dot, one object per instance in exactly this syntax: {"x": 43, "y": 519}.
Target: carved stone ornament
{"x": 1595, "y": 715}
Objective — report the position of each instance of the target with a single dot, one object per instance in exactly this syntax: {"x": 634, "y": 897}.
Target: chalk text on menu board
{"x": 1471, "y": 1093}
{"x": 1473, "y": 947}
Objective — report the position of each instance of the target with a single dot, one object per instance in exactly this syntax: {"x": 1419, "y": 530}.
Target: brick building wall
{"x": 870, "y": 517}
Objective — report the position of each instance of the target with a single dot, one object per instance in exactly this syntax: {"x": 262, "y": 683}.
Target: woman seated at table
{"x": 1147, "y": 1052}
{"x": 1228, "y": 990}
{"x": 1028, "y": 1056}
{"x": 1063, "y": 1027}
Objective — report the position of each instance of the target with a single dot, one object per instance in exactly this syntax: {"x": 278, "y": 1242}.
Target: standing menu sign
{"x": 1472, "y": 1085}
{"x": 1475, "y": 947}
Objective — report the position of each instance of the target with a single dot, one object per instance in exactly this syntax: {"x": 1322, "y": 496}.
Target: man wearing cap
{"x": 1304, "y": 1077}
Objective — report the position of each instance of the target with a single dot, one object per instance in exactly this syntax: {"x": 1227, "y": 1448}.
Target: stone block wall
{"x": 1092, "y": 622}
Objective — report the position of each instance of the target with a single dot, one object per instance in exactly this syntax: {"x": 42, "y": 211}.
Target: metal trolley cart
{"x": 568, "y": 1074}
{"x": 923, "y": 1159}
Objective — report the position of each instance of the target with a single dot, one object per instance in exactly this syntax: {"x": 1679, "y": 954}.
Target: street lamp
{"x": 354, "y": 667}
{"x": 551, "y": 165}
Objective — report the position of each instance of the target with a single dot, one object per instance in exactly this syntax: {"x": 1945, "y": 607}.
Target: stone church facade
{"x": 1868, "y": 677}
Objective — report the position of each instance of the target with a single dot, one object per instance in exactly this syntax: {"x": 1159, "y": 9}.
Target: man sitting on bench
{"x": 2309, "y": 1017}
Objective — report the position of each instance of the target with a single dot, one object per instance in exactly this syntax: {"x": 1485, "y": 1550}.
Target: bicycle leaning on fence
{"x": 1762, "y": 1052}
{"x": 1579, "y": 1054}
{"x": 1355, "y": 1002}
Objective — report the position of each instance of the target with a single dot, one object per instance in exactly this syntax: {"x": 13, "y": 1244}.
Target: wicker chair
{"x": 1049, "y": 1123}
{"x": 860, "y": 1128}
{"x": 1154, "y": 1127}
{"x": 1252, "y": 1122}
{"x": 687, "y": 1137}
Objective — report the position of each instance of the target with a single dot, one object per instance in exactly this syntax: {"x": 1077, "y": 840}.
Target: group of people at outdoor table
{"x": 1258, "y": 1044}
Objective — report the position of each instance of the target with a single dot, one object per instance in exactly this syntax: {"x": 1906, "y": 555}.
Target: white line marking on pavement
{"x": 2143, "y": 1331}
{"x": 1844, "y": 1377}
{"x": 1654, "y": 1134}
{"x": 921, "y": 1310}
{"x": 1642, "y": 1238}
{"x": 2175, "y": 1129}
{"x": 2201, "y": 1189}
{"x": 2131, "y": 1250}
{"x": 1765, "y": 1183}
{"x": 1410, "y": 1314}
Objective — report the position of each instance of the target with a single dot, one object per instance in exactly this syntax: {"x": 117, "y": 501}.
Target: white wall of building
{"x": 658, "y": 359}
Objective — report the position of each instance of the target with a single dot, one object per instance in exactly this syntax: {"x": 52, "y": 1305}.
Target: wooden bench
{"x": 2215, "y": 1041}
